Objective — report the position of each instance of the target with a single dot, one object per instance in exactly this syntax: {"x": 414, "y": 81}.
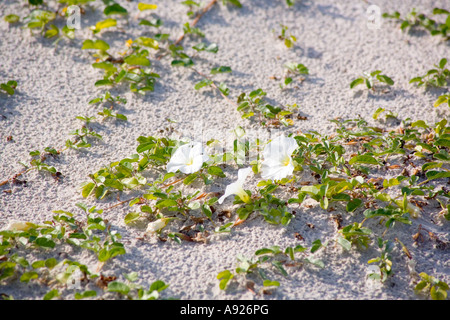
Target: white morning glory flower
{"x": 19, "y": 225}
{"x": 157, "y": 225}
{"x": 188, "y": 158}
{"x": 236, "y": 187}
{"x": 278, "y": 163}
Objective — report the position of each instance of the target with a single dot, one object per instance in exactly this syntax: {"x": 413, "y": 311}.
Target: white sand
{"x": 333, "y": 42}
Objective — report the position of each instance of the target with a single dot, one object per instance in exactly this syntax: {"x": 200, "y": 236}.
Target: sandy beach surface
{"x": 55, "y": 84}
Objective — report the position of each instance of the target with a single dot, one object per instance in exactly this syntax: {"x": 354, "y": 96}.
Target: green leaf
{"x": 341, "y": 197}
{"x": 442, "y": 99}
{"x": 51, "y": 294}
{"x": 316, "y": 245}
{"x": 119, "y": 287}
{"x": 432, "y": 175}
{"x": 137, "y": 61}
{"x": 107, "y": 23}
{"x": 443, "y": 285}
{"x": 21, "y": 261}
{"x": 11, "y": 18}
{"x": 51, "y": 263}
{"x": 190, "y": 3}
{"x": 221, "y": 69}
{"x": 269, "y": 283}
{"x": 44, "y": 242}
{"x": 420, "y": 124}
{"x": 248, "y": 115}
{"x": 443, "y": 143}
{"x": 263, "y": 251}
{"x": 297, "y": 68}
{"x": 95, "y": 44}
{"x": 38, "y": 264}
{"x": 404, "y": 25}
{"x": 115, "y": 9}
{"x": 131, "y": 217}
{"x": 347, "y": 245}
{"x": 190, "y": 178}
{"x": 206, "y": 209}
{"x": 287, "y": 80}
{"x": 103, "y": 82}
{"x": 87, "y": 189}
{"x": 288, "y": 42}
{"x": 69, "y": 33}
{"x": 224, "y": 89}
{"x": 186, "y": 62}
{"x": 158, "y": 285}
{"x": 416, "y": 79}
{"x": 225, "y": 277}
{"x": 147, "y": 42}
{"x": 316, "y": 262}
{"x": 216, "y": 171}
{"x": 438, "y": 293}
{"x": 203, "y": 83}
{"x": 152, "y": 23}
{"x": 27, "y": 276}
{"x": 364, "y": 158}
{"x": 145, "y": 6}
{"x": 105, "y": 254}
{"x": 12, "y": 83}
{"x": 440, "y": 11}
{"x": 385, "y": 79}
{"x": 105, "y": 65}
{"x": 432, "y": 71}
{"x": 213, "y": 48}
{"x": 356, "y": 82}
{"x": 7, "y": 88}
{"x": 86, "y": 294}
{"x": 166, "y": 203}
{"x": 324, "y": 203}
{"x": 237, "y": 3}
{"x": 290, "y": 3}
{"x": 431, "y": 165}
{"x": 279, "y": 266}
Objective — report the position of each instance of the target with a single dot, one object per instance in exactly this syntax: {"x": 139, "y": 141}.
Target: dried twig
{"x": 196, "y": 20}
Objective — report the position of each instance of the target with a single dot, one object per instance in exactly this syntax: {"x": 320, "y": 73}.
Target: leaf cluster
{"x": 272, "y": 256}
{"x": 437, "y": 77}
{"x": 9, "y": 87}
{"x": 416, "y": 20}
{"x": 288, "y": 39}
{"x": 133, "y": 291}
{"x": 372, "y": 79}
{"x": 254, "y": 104}
{"x": 436, "y": 288}
{"x": 294, "y": 70}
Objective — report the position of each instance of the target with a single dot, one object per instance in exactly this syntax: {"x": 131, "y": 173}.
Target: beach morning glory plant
{"x": 236, "y": 187}
{"x": 188, "y": 158}
{"x": 278, "y": 163}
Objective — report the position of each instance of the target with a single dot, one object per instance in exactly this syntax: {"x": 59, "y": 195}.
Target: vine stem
{"x": 196, "y": 20}
{"x": 118, "y": 204}
{"x": 205, "y": 10}
{"x": 172, "y": 183}
{"x": 15, "y": 176}
{"x": 4, "y": 182}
